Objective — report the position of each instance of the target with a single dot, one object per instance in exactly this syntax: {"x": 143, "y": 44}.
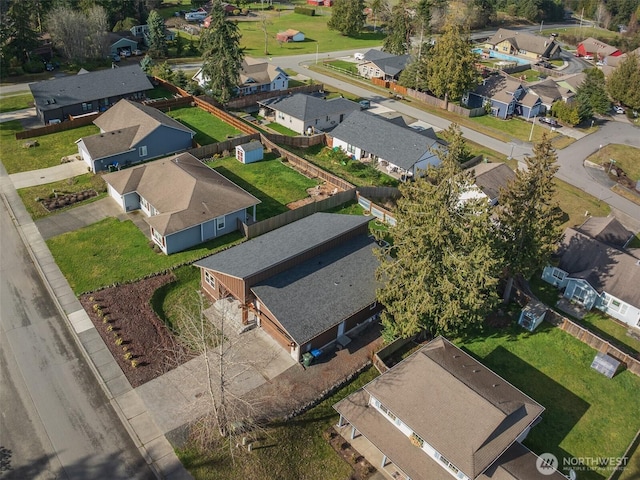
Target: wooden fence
{"x": 167, "y": 104}
{"x": 269, "y": 224}
{"x": 376, "y": 210}
{"x": 208, "y": 151}
{"x": 58, "y": 127}
{"x": 583, "y": 334}
{"x": 451, "y": 107}
{"x": 384, "y": 353}
{"x": 297, "y": 141}
{"x": 248, "y": 100}
{"x": 224, "y": 116}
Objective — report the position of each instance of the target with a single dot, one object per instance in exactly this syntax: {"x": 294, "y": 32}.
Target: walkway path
{"x": 48, "y": 175}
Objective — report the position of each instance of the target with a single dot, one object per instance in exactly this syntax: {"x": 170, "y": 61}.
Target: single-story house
{"x": 597, "y": 49}
{"x": 365, "y": 136}
{"x": 489, "y": 178}
{"x": 550, "y": 91}
{"x": 440, "y": 414}
{"x": 524, "y": 44}
{"x": 131, "y": 133}
{"x": 255, "y": 76}
{"x": 122, "y": 41}
{"x": 290, "y": 35}
{"x": 594, "y": 269}
{"x": 185, "y": 202}
{"x": 306, "y": 114}
{"x": 379, "y": 64}
{"x": 58, "y": 98}
{"x": 309, "y": 284}
{"x": 612, "y": 62}
{"x": 572, "y": 82}
{"x": 250, "y": 152}
{"x": 505, "y": 96}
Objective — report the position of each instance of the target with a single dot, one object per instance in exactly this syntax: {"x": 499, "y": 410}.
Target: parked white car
{"x": 618, "y": 109}
{"x": 358, "y": 56}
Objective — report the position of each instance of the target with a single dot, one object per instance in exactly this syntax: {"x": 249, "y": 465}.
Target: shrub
{"x": 110, "y": 328}
{"x": 134, "y": 363}
{"x": 304, "y": 11}
{"x": 127, "y": 356}
{"x": 119, "y": 341}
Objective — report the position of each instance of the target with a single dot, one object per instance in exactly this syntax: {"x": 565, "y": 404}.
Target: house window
{"x": 220, "y": 223}
{"x": 416, "y": 440}
{"x": 351, "y": 148}
{"x": 388, "y": 412}
{"x": 579, "y": 294}
{"x": 617, "y": 306}
{"x": 142, "y": 151}
{"x": 558, "y": 274}
{"x": 158, "y": 237}
{"x": 209, "y": 279}
{"x": 447, "y": 463}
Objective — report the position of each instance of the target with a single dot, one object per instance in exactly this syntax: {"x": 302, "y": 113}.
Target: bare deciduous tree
{"x": 79, "y": 35}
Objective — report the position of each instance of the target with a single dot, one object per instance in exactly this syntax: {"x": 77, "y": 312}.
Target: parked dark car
{"x": 552, "y": 122}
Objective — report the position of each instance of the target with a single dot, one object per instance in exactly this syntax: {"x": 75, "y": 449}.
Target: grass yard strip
{"x": 293, "y": 450}
{"x": 343, "y": 65}
{"x": 632, "y": 469}
{"x": 88, "y": 181}
{"x": 318, "y": 38}
{"x": 276, "y": 127}
{"x": 209, "y": 129}
{"x": 624, "y": 156}
{"x": 270, "y": 180}
{"x": 111, "y": 251}
{"x": 575, "y": 203}
{"x": 635, "y": 242}
{"x": 16, "y": 102}
{"x": 587, "y": 414}
{"x": 158, "y": 93}
{"x": 51, "y": 148}
{"x": 510, "y": 129}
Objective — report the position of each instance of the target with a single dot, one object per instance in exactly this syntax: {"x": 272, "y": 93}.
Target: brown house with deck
{"x": 309, "y": 284}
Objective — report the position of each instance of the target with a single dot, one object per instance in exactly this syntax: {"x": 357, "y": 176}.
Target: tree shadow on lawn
{"x": 563, "y": 409}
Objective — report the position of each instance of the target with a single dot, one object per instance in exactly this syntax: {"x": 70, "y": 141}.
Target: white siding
{"x": 116, "y": 196}
{"x": 620, "y": 310}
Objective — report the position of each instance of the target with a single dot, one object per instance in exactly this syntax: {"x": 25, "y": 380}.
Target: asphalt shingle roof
{"x": 90, "y": 86}
{"x": 525, "y": 41}
{"x": 307, "y": 107}
{"x": 607, "y": 230}
{"x": 184, "y": 190}
{"x": 284, "y": 243}
{"x": 491, "y": 177}
{"x": 321, "y": 292}
{"x": 399, "y": 145}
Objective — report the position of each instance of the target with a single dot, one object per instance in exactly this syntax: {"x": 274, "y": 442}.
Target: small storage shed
{"x": 249, "y": 152}
{"x": 532, "y": 315}
{"x": 605, "y": 364}
{"x": 290, "y": 36}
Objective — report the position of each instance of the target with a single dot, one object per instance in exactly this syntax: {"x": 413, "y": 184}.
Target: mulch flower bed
{"x": 362, "y": 469}
{"x": 139, "y": 341}
{"x": 64, "y": 200}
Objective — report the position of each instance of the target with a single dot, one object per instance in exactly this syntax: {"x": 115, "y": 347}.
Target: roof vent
{"x": 476, "y": 370}
{"x": 495, "y": 385}
{"x": 456, "y": 356}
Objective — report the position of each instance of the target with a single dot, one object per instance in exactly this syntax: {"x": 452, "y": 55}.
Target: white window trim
{"x": 142, "y": 151}
{"x": 220, "y": 223}
{"x": 209, "y": 279}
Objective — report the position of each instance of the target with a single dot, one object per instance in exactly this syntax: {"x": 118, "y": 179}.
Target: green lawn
{"x": 11, "y": 103}
{"x": 270, "y": 180}
{"x": 343, "y": 65}
{"x": 111, "y": 251}
{"x": 575, "y": 202}
{"x": 354, "y": 172}
{"x": 282, "y": 129}
{"x": 88, "y": 181}
{"x": 587, "y": 414}
{"x": 294, "y": 450}
{"x": 625, "y": 157}
{"x": 635, "y": 242}
{"x": 582, "y": 32}
{"x": 159, "y": 92}
{"x": 209, "y": 129}
{"x": 510, "y": 129}
{"x": 317, "y": 36}
{"x": 51, "y": 147}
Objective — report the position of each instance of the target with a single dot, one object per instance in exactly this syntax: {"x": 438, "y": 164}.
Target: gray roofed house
{"x": 364, "y": 135}
{"x": 505, "y": 95}
{"x": 440, "y": 412}
{"x": 491, "y": 177}
{"x": 597, "y": 274}
{"x": 304, "y": 113}
{"x": 131, "y": 133}
{"x": 378, "y": 64}
{"x": 608, "y": 230}
{"x": 92, "y": 92}
{"x": 550, "y": 91}
{"x": 185, "y": 202}
{"x": 515, "y": 42}
{"x": 309, "y": 284}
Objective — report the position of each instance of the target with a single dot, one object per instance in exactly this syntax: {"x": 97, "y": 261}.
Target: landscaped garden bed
{"x": 63, "y": 200}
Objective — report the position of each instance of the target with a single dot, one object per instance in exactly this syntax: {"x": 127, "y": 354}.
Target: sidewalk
{"x": 48, "y": 175}
{"x": 153, "y": 446}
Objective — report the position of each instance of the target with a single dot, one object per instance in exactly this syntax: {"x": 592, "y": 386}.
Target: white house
{"x": 255, "y": 76}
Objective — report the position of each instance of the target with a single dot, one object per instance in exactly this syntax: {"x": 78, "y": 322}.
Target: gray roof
{"x": 607, "y": 269}
{"x": 379, "y": 136}
{"x": 491, "y": 177}
{"x": 321, "y": 292}
{"x": 457, "y": 405}
{"x": 185, "y": 191}
{"x": 91, "y": 86}
{"x": 251, "y": 146}
{"x": 518, "y": 463}
{"x": 375, "y": 54}
{"x": 595, "y": 46}
{"x": 284, "y": 243}
{"x": 391, "y": 64}
{"x": 500, "y": 87}
{"x": 525, "y": 41}
{"x": 124, "y": 126}
{"x": 307, "y": 107}
{"x": 607, "y": 230}
{"x": 549, "y": 91}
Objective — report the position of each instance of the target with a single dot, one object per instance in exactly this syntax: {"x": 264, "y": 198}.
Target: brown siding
{"x": 361, "y": 316}
{"x": 273, "y": 328}
{"x": 226, "y": 284}
{"x": 322, "y": 339}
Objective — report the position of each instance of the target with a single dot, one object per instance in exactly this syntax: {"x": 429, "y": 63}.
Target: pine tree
{"x": 529, "y": 216}
{"x": 440, "y": 274}
{"x": 157, "y": 36}
{"x": 451, "y": 70}
{"x": 398, "y": 40}
{"x": 222, "y": 55}
{"x": 593, "y": 93}
{"x": 347, "y": 17}
{"x": 623, "y": 82}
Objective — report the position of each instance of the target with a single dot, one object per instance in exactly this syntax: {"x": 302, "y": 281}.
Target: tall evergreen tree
{"x": 157, "y": 38}
{"x": 623, "y": 82}
{"x": 378, "y": 9}
{"x": 593, "y": 92}
{"x": 347, "y": 17}
{"x": 23, "y": 37}
{"x": 398, "y": 40}
{"x": 529, "y": 216}
{"x": 222, "y": 55}
{"x": 451, "y": 70}
{"x": 440, "y": 274}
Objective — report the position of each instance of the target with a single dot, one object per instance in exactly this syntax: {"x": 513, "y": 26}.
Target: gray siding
{"x": 182, "y": 240}
{"x": 97, "y": 104}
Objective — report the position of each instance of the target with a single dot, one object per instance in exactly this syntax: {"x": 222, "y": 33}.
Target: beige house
{"x": 524, "y": 44}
